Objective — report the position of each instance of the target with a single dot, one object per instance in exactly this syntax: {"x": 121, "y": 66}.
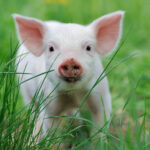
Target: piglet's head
{"x": 72, "y": 50}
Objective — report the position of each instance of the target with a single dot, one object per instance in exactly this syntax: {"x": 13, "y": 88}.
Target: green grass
{"x": 129, "y": 82}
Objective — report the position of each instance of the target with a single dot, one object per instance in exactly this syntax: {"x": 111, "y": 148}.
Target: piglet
{"x": 73, "y": 52}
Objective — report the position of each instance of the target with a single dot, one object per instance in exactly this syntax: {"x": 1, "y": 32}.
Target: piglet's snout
{"x": 70, "y": 70}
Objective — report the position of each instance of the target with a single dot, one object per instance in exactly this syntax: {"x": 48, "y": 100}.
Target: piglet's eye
{"x": 51, "y": 49}
{"x": 88, "y": 48}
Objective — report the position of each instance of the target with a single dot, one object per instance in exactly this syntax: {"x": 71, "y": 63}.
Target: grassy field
{"x": 129, "y": 82}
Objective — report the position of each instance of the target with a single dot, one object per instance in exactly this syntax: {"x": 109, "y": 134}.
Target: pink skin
{"x": 108, "y": 32}
{"x": 105, "y": 33}
{"x": 31, "y": 34}
{"x": 70, "y": 69}
{"x": 75, "y": 61}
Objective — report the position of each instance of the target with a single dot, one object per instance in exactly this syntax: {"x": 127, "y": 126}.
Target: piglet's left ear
{"x": 107, "y": 30}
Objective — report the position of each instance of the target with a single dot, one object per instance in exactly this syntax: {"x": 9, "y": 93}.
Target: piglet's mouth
{"x": 71, "y": 79}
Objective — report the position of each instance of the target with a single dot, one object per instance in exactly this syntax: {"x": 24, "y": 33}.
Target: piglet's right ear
{"x": 31, "y": 32}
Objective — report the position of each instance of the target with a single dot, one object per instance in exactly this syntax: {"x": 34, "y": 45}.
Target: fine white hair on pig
{"x": 72, "y": 51}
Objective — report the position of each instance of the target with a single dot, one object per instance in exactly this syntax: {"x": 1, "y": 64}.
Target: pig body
{"x": 72, "y": 51}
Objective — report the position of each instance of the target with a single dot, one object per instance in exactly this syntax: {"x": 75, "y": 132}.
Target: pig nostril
{"x": 70, "y": 69}
{"x": 65, "y": 68}
{"x": 76, "y": 67}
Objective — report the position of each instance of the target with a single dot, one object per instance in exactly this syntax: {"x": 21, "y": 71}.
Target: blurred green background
{"x": 123, "y": 79}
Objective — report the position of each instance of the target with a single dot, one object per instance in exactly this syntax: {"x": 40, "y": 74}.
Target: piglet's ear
{"x": 107, "y": 30}
{"x": 31, "y": 32}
